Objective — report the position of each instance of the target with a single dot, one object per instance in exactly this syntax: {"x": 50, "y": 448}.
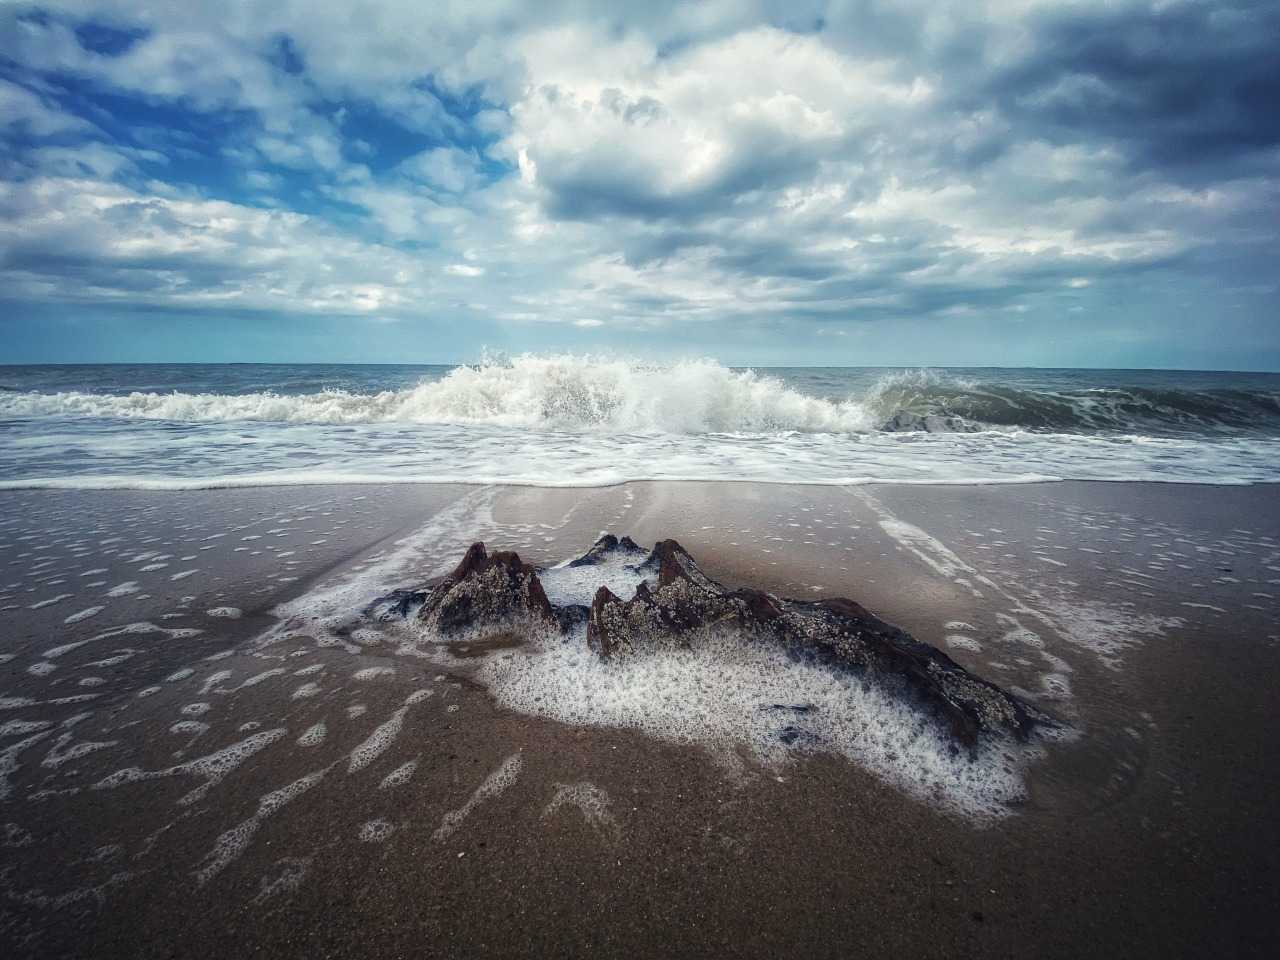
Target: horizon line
{"x": 764, "y": 366}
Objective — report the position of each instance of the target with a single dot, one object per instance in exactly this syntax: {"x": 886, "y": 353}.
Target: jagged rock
{"x": 834, "y": 631}
{"x": 606, "y": 548}
{"x": 675, "y": 604}
{"x": 395, "y": 605}
{"x": 487, "y": 591}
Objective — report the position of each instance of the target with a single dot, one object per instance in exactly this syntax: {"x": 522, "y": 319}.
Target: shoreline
{"x": 256, "y": 483}
{"x": 1159, "y": 810}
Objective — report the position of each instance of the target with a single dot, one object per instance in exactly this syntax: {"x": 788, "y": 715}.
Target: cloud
{"x": 800, "y": 167}
{"x": 1177, "y": 86}
{"x": 35, "y": 115}
{"x": 665, "y": 137}
{"x": 86, "y": 241}
{"x": 448, "y": 169}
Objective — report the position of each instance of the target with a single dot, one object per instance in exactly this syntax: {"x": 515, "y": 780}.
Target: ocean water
{"x": 573, "y": 420}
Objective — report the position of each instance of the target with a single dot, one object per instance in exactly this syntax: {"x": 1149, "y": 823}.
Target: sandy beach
{"x": 181, "y": 776}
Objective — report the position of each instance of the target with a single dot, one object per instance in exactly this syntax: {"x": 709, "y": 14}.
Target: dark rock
{"x": 604, "y": 549}
{"x": 793, "y": 735}
{"x": 572, "y": 615}
{"x": 837, "y": 632}
{"x": 395, "y": 605}
{"x": 487, "y": 591}
{"x": 684, "y": 605}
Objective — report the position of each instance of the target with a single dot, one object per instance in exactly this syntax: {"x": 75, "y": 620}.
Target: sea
{"x": 570, "y": 420}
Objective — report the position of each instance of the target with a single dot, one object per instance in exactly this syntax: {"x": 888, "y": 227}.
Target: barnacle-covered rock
{"x": 686, "y": 602}
{"x": 675, "y": 604}
{"x": 486, "y": 591}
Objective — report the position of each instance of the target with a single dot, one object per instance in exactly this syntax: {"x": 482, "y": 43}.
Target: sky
{"x": 988, "y": 182}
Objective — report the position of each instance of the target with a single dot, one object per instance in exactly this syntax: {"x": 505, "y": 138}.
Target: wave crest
{"x": 583, "y": 393}
{"x": 556, "y": 393}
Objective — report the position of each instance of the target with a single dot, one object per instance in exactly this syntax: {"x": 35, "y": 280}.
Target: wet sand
{"x": 428, "y": 821}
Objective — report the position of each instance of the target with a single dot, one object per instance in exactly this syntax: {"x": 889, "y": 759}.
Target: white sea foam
{"x": 399, "y": 776}
{"x": 15, "y": 728}
{"x": 565, "y": 584}
{"x": 376, "y": 831}
{"x": 64, "y": 749}
{"x": 558, "y": 392}
{"x": 373, "y": 673}
{"x": 313, "y": 736}
{"x": 257, "y": 678}
{"x": 723, "y": 694}
{"x": 960, "y": 642}
{"x": 212, "y": 768}
{"x": 213, "y": 680}
{"x": 54, "y": 653}
{"x": 589, "y": 800}
{"x": 494, "y": 784}
{"x": 383, "y": 735}
{"x": 584, "y": 421}
{"x": 235, "y": 841}
{"x": 293, "y": 870}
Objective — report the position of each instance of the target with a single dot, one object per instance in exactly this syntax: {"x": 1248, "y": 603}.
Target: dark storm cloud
{"x": 1188, "y": 87}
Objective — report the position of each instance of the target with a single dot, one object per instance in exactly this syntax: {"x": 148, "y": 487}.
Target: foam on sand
{"x": 9, "y": 760}
{"x": 54, "y": 653}
{"x": 213, "y": 679}
{"x": 400, "y": 775}
{"x": 376, "y": 831}
{"x": 373, "y": 673}
{"x": 292, "y": 871}
{"x": 235, "y": 841}
{"x": 724, "y": 693}
{"x": 212, "y": 768}
{"x": 313, "y": 736}
{"x": 383, "y": 735}
{"x": 64, "y": 750}
{"x": 494, "y": 784}
{"x": 589, "y": 800}
{"x": 84, "y": 614}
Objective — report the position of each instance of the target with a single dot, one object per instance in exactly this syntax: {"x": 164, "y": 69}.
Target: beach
{"x": 198, "y": 756}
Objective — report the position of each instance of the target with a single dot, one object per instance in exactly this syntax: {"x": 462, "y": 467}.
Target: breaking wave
{"x": 575, "y": 393}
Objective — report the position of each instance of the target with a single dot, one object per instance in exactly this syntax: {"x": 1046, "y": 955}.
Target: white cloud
{"x": 669, "y": 162}
{"x": 446, "y": 168}
{"x": 37, "y": 115}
